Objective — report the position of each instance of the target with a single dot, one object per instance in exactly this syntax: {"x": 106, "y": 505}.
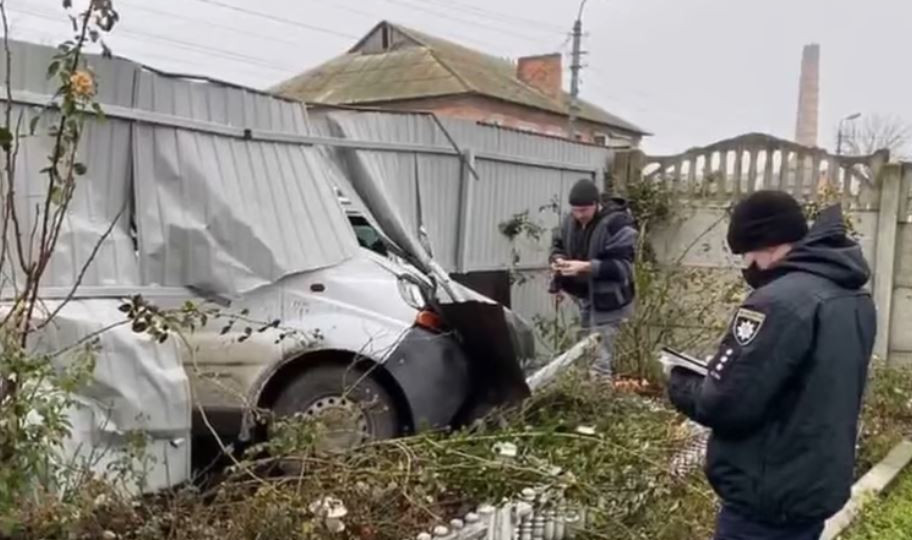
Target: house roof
{"x": 418, "y": 65}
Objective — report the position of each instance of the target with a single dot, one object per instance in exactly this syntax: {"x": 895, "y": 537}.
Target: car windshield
{"x": 368, "y": 237}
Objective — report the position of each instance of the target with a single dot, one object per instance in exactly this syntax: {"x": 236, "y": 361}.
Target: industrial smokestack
{"x": 808, "y": 96}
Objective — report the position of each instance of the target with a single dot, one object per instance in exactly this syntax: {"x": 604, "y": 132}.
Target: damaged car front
{"x": 386, "y": 345}
{"x": 496, "y": 343}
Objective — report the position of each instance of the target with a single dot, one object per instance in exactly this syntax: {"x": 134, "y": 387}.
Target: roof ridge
{"x": 432, "y": 51}
{"x": 407, "y": 31}
{"x": 455, "y": 73}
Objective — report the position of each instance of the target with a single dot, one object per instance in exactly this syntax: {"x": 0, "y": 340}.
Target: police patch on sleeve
{"x": 747, "y": 325}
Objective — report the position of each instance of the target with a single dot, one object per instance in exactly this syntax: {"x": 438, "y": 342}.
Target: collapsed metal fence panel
{"x": 227, "y": 214}
{"x": 463, "y": 180}
{"x": 138, "y": 386}
{"x": 182, "y": 155}
{"x": 190, "y": 199}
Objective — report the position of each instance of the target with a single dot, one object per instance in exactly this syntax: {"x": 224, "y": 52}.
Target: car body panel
{"x": 357, "y": 309}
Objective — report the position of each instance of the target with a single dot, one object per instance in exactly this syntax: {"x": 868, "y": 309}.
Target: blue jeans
{"x": 607, "y": 325}
{"x": 731, "y": 525}
{"x": 605, "y": 356}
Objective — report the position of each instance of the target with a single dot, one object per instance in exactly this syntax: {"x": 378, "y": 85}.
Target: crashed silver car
{"x": 382, "y": 349}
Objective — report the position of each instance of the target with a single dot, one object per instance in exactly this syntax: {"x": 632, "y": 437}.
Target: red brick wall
{"x": 483, "y": 109}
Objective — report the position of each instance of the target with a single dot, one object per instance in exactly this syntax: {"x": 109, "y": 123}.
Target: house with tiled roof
{"x": 398, "y": 68}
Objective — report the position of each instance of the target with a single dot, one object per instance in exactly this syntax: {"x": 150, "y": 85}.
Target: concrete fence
{"x": 875, "y": 192}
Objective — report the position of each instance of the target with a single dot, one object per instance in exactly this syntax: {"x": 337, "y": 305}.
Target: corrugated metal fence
{"x": 461, "y": 180}
{"x": 249, "y": 178}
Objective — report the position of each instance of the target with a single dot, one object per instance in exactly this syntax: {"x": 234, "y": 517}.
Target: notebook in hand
{"x": 672, "y": 357}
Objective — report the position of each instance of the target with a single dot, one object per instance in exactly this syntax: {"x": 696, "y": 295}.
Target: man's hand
{"x": 556, "y": 264}
{"x": 574, "y": 268}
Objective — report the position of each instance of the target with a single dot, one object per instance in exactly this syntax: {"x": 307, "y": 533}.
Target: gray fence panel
{"x": 218, "y": 104}
{"x": 30, "y": 62}
{"x": 102, "y": 194}
{"x": 504, "y": 191}
{"x": 230, "y": 215}
{"x": 390, "y": 127}
{"x": 512, "y": 142}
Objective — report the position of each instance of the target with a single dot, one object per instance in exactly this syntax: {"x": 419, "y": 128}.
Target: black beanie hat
{"x": 765, "y": 219}
{"x": 584, "y": 193}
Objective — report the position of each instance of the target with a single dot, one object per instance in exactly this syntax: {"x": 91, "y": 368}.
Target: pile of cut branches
{"x": 607, "y": 451}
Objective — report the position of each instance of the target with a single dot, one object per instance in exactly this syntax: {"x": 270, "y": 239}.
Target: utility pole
{"x": 575, "y": 66}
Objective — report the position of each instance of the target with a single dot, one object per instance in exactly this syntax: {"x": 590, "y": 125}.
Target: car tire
{"x": 352, "y": 401}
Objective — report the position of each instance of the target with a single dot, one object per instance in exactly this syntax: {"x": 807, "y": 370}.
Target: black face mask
{"x": 754, "y": 275}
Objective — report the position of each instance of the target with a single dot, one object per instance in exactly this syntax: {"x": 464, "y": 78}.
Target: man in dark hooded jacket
{"x": 592, "y": 256}
{"x": 784, "y": 391}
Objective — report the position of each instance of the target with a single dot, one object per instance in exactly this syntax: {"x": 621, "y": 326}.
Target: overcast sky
{"x": 690, "y": 71}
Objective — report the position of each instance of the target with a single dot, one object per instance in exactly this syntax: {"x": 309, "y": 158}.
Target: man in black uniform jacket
{"x": 784, "y": 390}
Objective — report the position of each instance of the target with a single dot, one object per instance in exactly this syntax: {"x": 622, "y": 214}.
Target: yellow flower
{"x": 82, "y": 84}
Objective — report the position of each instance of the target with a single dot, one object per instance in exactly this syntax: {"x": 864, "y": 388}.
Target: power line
{"x": 450, "y": 17}
{"x": 486, "y": 45}
{"x": 26, "y": 32}
{"x": 501, "y": 16}
{"x": 267, "y": 16}
{"x": 335, "y": 4}
{"x": 449, "y": 34}
{"x": 186, "y": 45}
{"x": 211, "y": 50}
{"x": 233, "y": 29}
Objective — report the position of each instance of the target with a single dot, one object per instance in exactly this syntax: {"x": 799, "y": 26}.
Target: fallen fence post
{"x": 549, "y": 372}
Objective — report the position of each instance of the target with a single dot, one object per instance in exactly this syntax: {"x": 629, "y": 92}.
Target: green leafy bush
{"x": 889, "y": 518}
{"x": 887, "y": 415}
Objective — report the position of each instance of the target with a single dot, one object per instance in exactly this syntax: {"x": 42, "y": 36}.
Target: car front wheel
{"x": 347, "y": 405}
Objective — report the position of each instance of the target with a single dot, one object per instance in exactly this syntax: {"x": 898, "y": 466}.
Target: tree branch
{"x": 34, "y": 278}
